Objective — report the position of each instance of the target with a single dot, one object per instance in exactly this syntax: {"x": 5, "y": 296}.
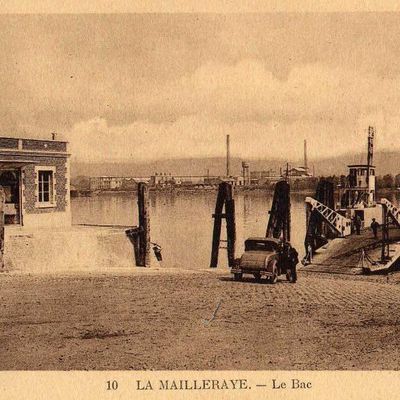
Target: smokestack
{"x": 305, "y": 155}
{"x": 227, "y": 157}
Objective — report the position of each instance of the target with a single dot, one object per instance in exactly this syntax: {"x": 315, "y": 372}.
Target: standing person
{"x": 294, "y": 260}
{"x": 308, "y": 257}
{"x": 374, "y": 227}
{"x": 357, "y": 223}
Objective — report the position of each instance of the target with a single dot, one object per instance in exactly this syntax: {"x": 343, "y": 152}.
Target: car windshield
{"x": 253, "y": 245}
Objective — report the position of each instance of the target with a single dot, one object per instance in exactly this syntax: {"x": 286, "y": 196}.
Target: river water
{"x": 181, "y": 222}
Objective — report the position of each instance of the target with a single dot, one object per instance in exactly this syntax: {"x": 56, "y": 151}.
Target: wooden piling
{"x": 219, "y": 206}
{"x": 288, "y": 219}
{"x": 230, "y": 224}
{"x": 279, "y": 216}
{"x": 2, "y": 201}
{"x": 133, "y": 236}
{"x": 224, "y": 198}
{"x": 385, "y": 251}
{"x": 144, "y": 226}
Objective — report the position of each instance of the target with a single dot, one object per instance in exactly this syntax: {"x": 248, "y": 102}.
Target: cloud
{"x": 265, "y": 116}
{"x": 198, "y": 136}
{"x": 249, "y": 91}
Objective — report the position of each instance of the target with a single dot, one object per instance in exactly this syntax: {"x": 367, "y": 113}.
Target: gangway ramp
{"x": 342, "y": 255}
{"x": 393, "y": 211}
{"x": 338, "y": 222}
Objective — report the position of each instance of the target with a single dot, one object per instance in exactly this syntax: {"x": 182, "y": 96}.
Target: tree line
{"x": 388, "y": 181}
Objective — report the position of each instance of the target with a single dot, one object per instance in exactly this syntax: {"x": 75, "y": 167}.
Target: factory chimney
{"x": 227, "y": 157}
{"x": 305, "y": 155}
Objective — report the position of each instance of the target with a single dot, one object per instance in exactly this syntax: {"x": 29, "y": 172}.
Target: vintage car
{"x": 267, "y": 257}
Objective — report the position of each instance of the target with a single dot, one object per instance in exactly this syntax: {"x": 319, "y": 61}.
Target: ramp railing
{"x": 392, "y": 210}
{"x": 338, "y": 222}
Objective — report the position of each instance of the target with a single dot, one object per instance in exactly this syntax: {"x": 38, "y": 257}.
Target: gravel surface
{"x": 204, "y": 320}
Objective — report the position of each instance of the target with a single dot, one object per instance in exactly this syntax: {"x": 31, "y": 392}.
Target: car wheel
{"x": 274, "y": 278}
{"x": 257, "y": 277}
{"x": 291, "y": 276}
{"x": 238, "y": 276}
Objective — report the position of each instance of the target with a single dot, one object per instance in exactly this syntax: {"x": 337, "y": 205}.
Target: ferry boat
{"x": 350, "y": 218}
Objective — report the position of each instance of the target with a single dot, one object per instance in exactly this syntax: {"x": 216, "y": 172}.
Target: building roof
{"x": 300, "y": 169}
{"x": 33, "y": 139}
{"x": 360, "y": 165}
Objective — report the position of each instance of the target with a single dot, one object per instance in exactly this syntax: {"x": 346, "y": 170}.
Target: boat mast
{"x": 371, "y": 132}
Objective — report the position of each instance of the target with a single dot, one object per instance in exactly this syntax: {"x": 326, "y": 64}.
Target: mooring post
{"x": 230, "y": 224}
{"x": 144, "y": 226}
{"x": 2, "y": 201}
{"x": 308, "y": 230}
{"x": 225, "y": 197}
{"x": 279, "y": 216}
{"x": 217, "y": 224}
{"x": 385, "y": 253}
{"x": 133, "y": 236}
{"x": 288, "y": 219}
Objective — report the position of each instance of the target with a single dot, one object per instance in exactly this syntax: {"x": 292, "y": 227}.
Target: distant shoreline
{"x": 257, "y": 190}
{"x": 175, "y": 190}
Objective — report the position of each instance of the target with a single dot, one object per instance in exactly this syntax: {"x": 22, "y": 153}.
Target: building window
{"x": 45, "y": 187}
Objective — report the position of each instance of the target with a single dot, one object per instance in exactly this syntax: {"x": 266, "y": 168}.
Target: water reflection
{"x": 182, "y": 222}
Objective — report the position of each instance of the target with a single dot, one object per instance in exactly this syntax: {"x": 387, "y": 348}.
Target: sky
{"x": 145, "y": 87}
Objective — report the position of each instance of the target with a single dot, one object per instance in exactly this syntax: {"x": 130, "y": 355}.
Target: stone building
{"x": 35, "y": 176}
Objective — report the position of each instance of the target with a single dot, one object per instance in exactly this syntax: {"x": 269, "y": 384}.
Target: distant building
{"x": 245, "y": 174}
{"x": 264, "y": 177}
{"x": 164, "y": 179}
{"x": 299, "y": 172}
{"x": 99, "y": 183}
{"x": 241, "y": 181}
{"x": 35, "y": 177}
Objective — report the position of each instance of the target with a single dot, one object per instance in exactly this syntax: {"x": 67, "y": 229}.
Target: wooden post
{"x": 230, "y": 224}
{"x": 133, "y": 236}
{"x": 217, "y": 225}
{"x": 2, "y": 201}
{"x": 385, "y": 253}
{"x": 288, "y": 219}
{"x": 308, "y": 236}
{"x": 225, "y": 197}
{"x": 144, "y": 225}
{"x": 279, "y": 216}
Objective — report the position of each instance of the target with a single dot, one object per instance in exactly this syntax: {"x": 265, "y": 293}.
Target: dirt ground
{"x": 164, "y": 320}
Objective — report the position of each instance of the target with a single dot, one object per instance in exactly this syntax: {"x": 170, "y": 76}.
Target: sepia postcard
{"x": 199, "y": 201}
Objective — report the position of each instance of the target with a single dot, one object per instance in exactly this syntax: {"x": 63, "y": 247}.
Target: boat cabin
{"x": 359, "y": 197}
{"x": 361, "y": 185}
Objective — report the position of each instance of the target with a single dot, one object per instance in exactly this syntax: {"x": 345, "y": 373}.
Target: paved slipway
{"x": 197, "y": 320}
